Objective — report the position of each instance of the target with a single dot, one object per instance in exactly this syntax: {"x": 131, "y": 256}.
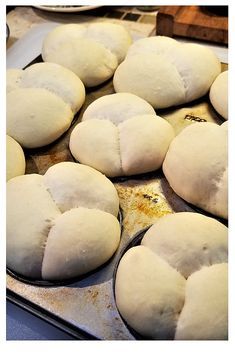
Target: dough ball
{"x": 122, "y": 150}
{"x": 73, "y": 185}
{"x": 91, "y": 51}
{"x": 117, "y": 108}
{"x": 188, "y": 241}
{"x": 205, "y": 312}
{"x": 196, "y": 167}
{"x": 56, "y": 79}
{"x": 80, "y": 241}
{"x": 30, "y": 214}
{"x": 15, "y": 160}
{"x": 219, "y": 94}
{"x": 149, "y": 293}
{"x": 36, "y": 117}
{"x": 61, "y": 225}
{"x": 174, "y": 285}
{"x": 165, "y": 72}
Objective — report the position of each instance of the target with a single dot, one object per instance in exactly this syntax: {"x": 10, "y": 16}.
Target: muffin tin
{"x": 85, "y": 307}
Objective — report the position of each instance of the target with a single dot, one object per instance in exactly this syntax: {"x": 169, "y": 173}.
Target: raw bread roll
{"x": 53, "y": 77}
{"x": 91, "y": 51}
{"x": 149, "y": 293}
{"x": 166, "y": 73}
{"x": 54, "y": 232}
{"x": 117, "y": 108}
{"x": 205, "y": 312}
{"x": 196, "y": 167}
{"x": 36, "y": 117}
{"x": 219, "y": 94}
{"x": 137, "y": 145}
{"x": 169, "y": 286}
{"x": 120, "y": 134}
{"x": 41, "y": 103}
{"x": 15, "y": 160}
{"x": 188, "y": 241}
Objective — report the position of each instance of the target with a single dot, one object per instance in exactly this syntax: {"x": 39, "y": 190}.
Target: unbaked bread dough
{"x": 165, "y": 72}
{"x": 120, "y": 134}
{"x": 196, "y": 167}
{"x": 36, "y": 117}
{"x": 219, "y": 94}
{"x": 41, "y": 103}
{"x": 53, "y": 77}
{"x": 122, "y": 149}
{"x": 117, "y": 108}
{"x": 92, "y": 51}
{"x": 174, "y": 285}
{"x": 205, "y": 312}
{"x": 15, "y": 159}
{"x": 62, "y": 224}
{"x": 188, "y": 241}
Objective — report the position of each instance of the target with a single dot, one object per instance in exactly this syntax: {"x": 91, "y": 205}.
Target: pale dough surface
{"x": 15, "y": 159}
{"x": 219, "y": 94}
{"x": 196, "y": 167}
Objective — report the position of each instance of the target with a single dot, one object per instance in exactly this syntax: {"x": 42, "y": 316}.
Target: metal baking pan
{"x": 85, "y": 307}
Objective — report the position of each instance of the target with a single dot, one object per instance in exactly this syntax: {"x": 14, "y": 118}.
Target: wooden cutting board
{"x": 196, "y": 22}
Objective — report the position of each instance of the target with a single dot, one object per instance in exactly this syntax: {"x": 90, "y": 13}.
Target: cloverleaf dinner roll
{"x": 196, "y": 167}
{"x": 123, "y": 138}
{"x": 174, "y": 285}
{"x": 219, "y": 94}
{"x": 62, "y": 224}
{"x": 41, "y": 103}
{"x": 92, "y": 51}
{"x": 15, "y": 159}
{"x": 165, "y": 72}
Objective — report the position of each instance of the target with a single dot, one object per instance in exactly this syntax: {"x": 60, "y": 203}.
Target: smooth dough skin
{"x": 91, "y": 51}
{"x": 122, "y": 150}
{"x": 165, "y": 72}
{"x": 61, "y": 225}
{"x": 117, "y": 108}
{"x": 15, "y": 159}
{"x": 36, "y": 117}
{"x": 188, "y": 241}
{"x": 219, "y": 94}
{"x": 80, "y": 241}
{"x": 149, "y": 293}
{"x": 174, "y": 285}
{"x": 205, "y": 312}
{"x": 196, "y": 167}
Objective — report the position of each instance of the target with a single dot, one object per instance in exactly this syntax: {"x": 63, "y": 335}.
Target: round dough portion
{"x": 117, "y": 108}
{"x": 219, "y": 94}
{"x": 149, "y": 293}
{"x": 196, "y": 167}
{"x": 122, "y": 150}
{"x": 80, "y": 241}
{"x": 112, "y": 36}
{"x": 15, "y": 159}
{"x": 188, "y": 241}
{"x": 96, "y": 143}
{"x": 91, "y": 51}
{"x": 56, "y": 79}
{"x": 46, "y": 240}
{"x": 73, "y": 185}
{"x": 88, "y": 59}
{"x": 172, "y": 73}
{"x": 30, "y": 214}
{"x": 157, "y": 81}
{"x": 36, "y": 117}
{"x": 205, "y": 312}
{"x": 144, "y": 152}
